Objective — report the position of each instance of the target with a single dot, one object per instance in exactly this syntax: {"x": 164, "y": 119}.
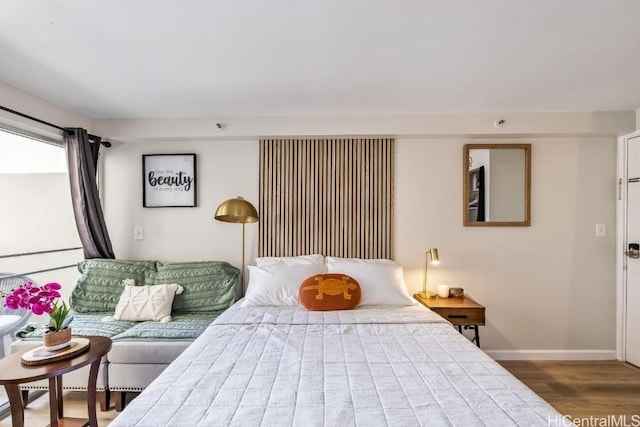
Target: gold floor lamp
{"x": 238, "y": 211}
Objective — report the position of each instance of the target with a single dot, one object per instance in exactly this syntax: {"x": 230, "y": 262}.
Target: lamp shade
{"x": 435, "y": 259}
{"x": 237, "y": 210}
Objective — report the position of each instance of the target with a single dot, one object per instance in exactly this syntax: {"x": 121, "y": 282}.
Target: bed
{"x": 370, "y": 366}
{"x": 270, "y": 360}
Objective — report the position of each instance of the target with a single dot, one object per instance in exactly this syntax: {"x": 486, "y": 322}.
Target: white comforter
{"x": 373, "y": 366}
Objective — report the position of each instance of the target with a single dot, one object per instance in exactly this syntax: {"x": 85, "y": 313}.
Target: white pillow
{"x": 269, "y": 261}
{"x": 140, "y": 303}
{"x": 380, "y": 280}
{"x": 278, "y": 284}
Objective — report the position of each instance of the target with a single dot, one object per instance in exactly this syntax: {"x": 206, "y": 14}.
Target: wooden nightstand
{"x": 462, "y": 312}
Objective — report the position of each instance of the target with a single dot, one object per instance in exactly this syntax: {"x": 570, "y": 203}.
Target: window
{"x": 36, "y": 215}
{"x": 35, "y": 201}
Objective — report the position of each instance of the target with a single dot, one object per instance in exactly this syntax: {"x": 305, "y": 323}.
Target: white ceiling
{"x": 198, "y": 58}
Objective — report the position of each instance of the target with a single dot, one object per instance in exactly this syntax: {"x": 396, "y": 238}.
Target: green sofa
{"x": 141, "y": 350}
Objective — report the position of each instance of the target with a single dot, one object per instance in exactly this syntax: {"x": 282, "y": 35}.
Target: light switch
{"x": 601, "y": 230}
{"x": 138, "y": 232}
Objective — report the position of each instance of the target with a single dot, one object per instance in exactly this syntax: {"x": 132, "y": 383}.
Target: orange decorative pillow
{"x": 324, "y": 292}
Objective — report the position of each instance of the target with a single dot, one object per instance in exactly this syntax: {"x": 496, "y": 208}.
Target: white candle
{"x": 443, "y": 291}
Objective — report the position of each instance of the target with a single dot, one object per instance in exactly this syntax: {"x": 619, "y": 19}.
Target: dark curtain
{"x": 82, "y": 160}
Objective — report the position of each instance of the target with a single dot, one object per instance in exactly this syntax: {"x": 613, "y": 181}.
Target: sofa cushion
{"x": 185, "y": 327}
{"x": 209, "y": 286}
{"x": 86, "y": 324}
{"x": 100, "y": 284}
{"x": 148, "y": 302}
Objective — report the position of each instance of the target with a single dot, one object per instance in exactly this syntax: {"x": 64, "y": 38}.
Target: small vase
{"x": 57, "y": 340}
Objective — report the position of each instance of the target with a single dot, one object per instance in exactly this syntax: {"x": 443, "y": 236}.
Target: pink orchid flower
{"x": 40, "y": 300}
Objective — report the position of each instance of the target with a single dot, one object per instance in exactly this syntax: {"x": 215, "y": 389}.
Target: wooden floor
{"x": 577, "y": 389}
{"x": 75, "y": 405}
{"x": 583, "y": 389}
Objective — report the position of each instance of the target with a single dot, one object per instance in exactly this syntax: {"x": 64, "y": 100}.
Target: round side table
{"x": 13, "y": 373}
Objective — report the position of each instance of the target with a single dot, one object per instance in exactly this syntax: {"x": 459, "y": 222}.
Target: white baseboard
{"x": 552, "y": 354}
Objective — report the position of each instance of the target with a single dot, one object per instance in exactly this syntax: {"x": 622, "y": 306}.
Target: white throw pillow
{"x": 278, "y": 284}
{"x": 380, "y": 280}
{"x": 140, "y": 303}
{"x": 269, "y": 261}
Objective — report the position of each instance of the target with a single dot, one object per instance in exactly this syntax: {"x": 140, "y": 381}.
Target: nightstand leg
{"x": 477, "y": 337}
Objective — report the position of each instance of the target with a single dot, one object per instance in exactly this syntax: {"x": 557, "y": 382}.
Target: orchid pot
{"x": 57, "y": 340}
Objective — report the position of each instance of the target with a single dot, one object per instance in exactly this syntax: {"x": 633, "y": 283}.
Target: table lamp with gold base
{"x": 435, "y": 260}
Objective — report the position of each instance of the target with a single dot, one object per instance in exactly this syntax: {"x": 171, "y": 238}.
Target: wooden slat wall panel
{"x": 331, "y": 195}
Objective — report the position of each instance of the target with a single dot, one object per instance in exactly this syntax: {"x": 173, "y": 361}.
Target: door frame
{"x": 621, "y": 243}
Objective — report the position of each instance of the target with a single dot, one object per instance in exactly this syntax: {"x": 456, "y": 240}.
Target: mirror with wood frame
{"x": 497, "y": 185}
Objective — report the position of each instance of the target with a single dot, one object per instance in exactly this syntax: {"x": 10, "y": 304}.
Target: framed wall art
{"x": 169, "y": 180}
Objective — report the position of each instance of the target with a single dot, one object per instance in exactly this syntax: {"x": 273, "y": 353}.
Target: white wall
{"x": 23, "y": 102}
{"x": 546, "y": 287}
{"x": 224, "y": 170}
{"x": 431, "y": 125}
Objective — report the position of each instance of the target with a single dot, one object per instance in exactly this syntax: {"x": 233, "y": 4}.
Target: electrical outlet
{"x": 601, "y": 230}
{"x": 138, "y": 232}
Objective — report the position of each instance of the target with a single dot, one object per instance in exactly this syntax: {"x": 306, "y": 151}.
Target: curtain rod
{"x": 35, "y": 119}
